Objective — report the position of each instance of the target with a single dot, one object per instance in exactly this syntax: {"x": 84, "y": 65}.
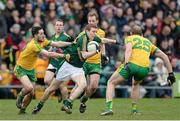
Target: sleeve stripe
{"x": 155, "y": 50}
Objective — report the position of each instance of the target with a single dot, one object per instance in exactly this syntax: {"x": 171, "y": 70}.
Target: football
{"x": 92, "y": 46}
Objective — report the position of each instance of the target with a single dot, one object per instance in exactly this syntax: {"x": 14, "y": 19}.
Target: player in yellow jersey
{"x": 136, "y": 66}
{"x": 24, "y": 69}
{"x": 92, "y": 65}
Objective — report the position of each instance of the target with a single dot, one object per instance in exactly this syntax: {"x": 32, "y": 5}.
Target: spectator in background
{"x": 164, "y": 34}
{"x": 121, "y": 20}
{"x": 174, "y": 63}
{"x": 164, "y": 5}
{"x": 4, "y": 51}
{"x": 105, "y": 26}
{"x": 177, "y": 47}
{"x": 77, "y": 11}
{"x": 161, "y": 71}
{"x": 164, "y": 46}
{"x": 112, "y": 49}
{"x": 129, "y": 14}
{"x": 13, "y": 40}
{"x": 29, "y": 18}
{"x": 139, "y": 19}
{"x": 108, "y": 14}
{"x": 145, "y": 8}
{"x": 176, "y": 16}
{"x": 51, "y": 19}
{"x": 71, "y": 24}
{"x": 5, "y": 80}
{"x": 41, "y": 16}
{"x": 71, "y": 32}
{"x": 3, "y": 26}
{"x": 7, "y": 13}
{"x": 39, "y": 4}
{"x": 160, "y": 16}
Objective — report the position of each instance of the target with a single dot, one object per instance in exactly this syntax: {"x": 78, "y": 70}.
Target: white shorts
{"x": 50, "y": 66}
{"x": 67, "y": 71}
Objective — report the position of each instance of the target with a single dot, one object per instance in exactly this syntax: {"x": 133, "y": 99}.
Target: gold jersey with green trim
{"x": 96, "y": 59}
{"x": 29, "y": 54}
{"x": 142, "y": 48}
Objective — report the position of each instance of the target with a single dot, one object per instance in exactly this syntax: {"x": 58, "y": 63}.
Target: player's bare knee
{"x": 30, "y": 88}
{"x": 83, "y": 85}
{"x": 94, "y": 87}
{"x": 31, "y": 95}
{"x": 47, "y": 81}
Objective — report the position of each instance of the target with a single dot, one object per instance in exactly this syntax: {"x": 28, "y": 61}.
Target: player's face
{"x": 92, "y": 20}
{"x": 92, "y": 33}
{"x": 40, "y": 35}
{"x": 59, "y": 26}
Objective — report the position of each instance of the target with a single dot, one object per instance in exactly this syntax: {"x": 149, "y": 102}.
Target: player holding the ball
{"x": 92, "y": 66}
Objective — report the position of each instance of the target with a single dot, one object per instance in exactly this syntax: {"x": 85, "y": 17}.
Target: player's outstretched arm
{"x": 55, "y": 55}
{"x": 165, "y": 58}
{"x": 107, "y": 40}
{"x": 61, "y": 44}
{"x": 171, "y": 78}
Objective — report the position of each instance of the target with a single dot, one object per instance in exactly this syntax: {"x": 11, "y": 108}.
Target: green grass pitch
{"x": 152, "y": 109}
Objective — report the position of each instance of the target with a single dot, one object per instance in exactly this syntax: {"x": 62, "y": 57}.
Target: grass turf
{"x": 152, "y": 109}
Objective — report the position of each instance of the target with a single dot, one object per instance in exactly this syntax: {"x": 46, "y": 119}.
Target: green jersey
{"x": 81, "y": 45}
{"x": 62, "y": 37}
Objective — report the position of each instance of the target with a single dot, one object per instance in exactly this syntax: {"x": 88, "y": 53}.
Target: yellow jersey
{"x": 142, "y": 48}
{"x": 97, "y": 58}
{"x": 29, "y": 54}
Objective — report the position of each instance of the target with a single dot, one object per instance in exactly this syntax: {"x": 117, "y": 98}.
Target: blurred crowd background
{"x": 160, "y": 20}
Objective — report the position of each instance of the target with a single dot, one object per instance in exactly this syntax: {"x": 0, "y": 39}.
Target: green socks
{"x": 84, "y": 99}
{"x": 109, "y": 105}
{"x": 40, "y": 105}
{"x": 21, "y": 97}
{"x": 134, "y": 107}
{"x": 67, "y": 102}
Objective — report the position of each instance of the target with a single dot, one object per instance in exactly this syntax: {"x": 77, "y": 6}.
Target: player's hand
{"x": 67, "y": 57}
{"x": 171, "y": 79}
{"x": 74, "y": 42}
{"x": 105, "y": 60}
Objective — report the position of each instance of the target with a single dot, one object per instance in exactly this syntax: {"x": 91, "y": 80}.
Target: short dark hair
{"x": 35, "y": 30}
{"x": 60, "y": 20}
{"x": 89, "y": 26}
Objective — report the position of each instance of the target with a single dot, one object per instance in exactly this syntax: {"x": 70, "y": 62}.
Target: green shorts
{"x": 90, "y": 68}
{"x": 19, "y": 72}
{"x": 133, "y": 70}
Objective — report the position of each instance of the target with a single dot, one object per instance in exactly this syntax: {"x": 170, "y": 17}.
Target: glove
{"x": 105, "y": 60}
{"x": 67, "y": 57}
{"x": 171, "y": 79}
